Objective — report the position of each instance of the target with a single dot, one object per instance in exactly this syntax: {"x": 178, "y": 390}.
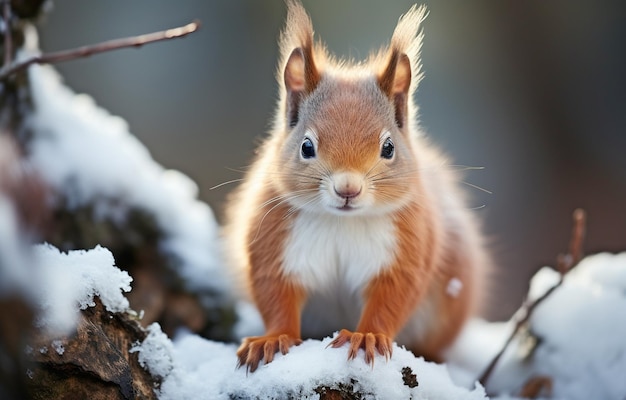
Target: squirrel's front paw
{"x": 368, "y": 341}
{"x": 257, "y": 348}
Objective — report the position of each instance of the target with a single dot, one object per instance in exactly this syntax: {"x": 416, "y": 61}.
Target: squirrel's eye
{"x": 387, "y": 149}
{"x": 307, "y": 149}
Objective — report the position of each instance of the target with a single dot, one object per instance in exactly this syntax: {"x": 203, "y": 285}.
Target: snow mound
{"x": 575, "y": 337}
{"x": 57, "y": 284}
{"x": 204, "y": 369}
{"x": 581, "y": 330}
{"x": 69, "y": 281}
{"x": 91, "y": 158}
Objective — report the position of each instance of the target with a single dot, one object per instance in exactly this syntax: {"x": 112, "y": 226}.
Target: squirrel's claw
{"x": 368, "y": 341}
{"x": 257, "y": 348}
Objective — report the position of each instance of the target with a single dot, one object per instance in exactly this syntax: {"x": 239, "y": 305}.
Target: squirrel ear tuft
{"x": 401, "y": 70}
{"x": 299, "y": 73}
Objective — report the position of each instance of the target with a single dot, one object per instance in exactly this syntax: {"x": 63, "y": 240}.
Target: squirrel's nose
{"x": 348, "y": 193}
{"x": 347, "y": 185}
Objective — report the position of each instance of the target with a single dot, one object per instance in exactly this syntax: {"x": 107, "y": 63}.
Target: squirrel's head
{"x": 346, "y": 129}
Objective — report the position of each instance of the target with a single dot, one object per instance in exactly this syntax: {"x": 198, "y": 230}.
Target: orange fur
{"x": 279, "y": 300}
{"x": 295, "y": 226}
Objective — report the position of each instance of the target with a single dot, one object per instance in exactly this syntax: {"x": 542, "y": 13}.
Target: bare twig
{"x": 8, "y": 40}
{"x": 86, "y": 51}
{"x": 578, "y": 235}
{"x": 565, "y": 263}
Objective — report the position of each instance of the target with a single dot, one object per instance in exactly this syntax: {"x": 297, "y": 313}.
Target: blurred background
{"x": 534, "y": 92}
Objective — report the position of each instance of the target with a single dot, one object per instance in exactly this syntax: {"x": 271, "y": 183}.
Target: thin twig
{"x": 86, "y": 51}
{"x": 8, "y": 39}
{"x": 578, "y": 235}
{"x": 565, "y": 263}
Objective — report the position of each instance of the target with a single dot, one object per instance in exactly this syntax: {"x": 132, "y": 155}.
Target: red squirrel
{"x": 349, "y": 220}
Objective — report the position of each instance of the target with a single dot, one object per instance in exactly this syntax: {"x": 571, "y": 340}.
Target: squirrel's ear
{"x": 300, "y": 73}
{"x": 401, "y": 67}
{"x": 301, "y": 78}
{"x": 395, "y": 82}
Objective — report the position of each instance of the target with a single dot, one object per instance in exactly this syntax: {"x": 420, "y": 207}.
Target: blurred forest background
{"x": 533, "y": 91}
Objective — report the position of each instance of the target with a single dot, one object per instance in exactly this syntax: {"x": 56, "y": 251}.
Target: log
{"x": 93, "y": 362}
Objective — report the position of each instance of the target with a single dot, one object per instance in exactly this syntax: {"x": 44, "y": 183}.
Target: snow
{"x": 208, "y": 370}
{"x": 58, "y": 346}
{"x": 56, "y": 284}
{"x": 454, "y": 287}
{"x": 155, "y": 352}
{"x": 15, "y": 274}
{"x": 91, "y": 158}
{"x": 68, "y": 282}
{"x": 575, "y": 337}
{"x": 583, "y": 327}
{"x": 14, "y": 258}
{"x": 474, "y": 349}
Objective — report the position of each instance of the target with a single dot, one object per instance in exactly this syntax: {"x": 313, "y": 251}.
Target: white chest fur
{"x": 325, "y": 250}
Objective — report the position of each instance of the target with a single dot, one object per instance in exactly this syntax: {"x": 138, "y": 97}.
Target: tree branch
{"x": 565, "y": 263}
{"x": 86, "y": 51}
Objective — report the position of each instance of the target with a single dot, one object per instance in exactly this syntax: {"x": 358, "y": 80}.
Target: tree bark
{"x": 94, "y": 362}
